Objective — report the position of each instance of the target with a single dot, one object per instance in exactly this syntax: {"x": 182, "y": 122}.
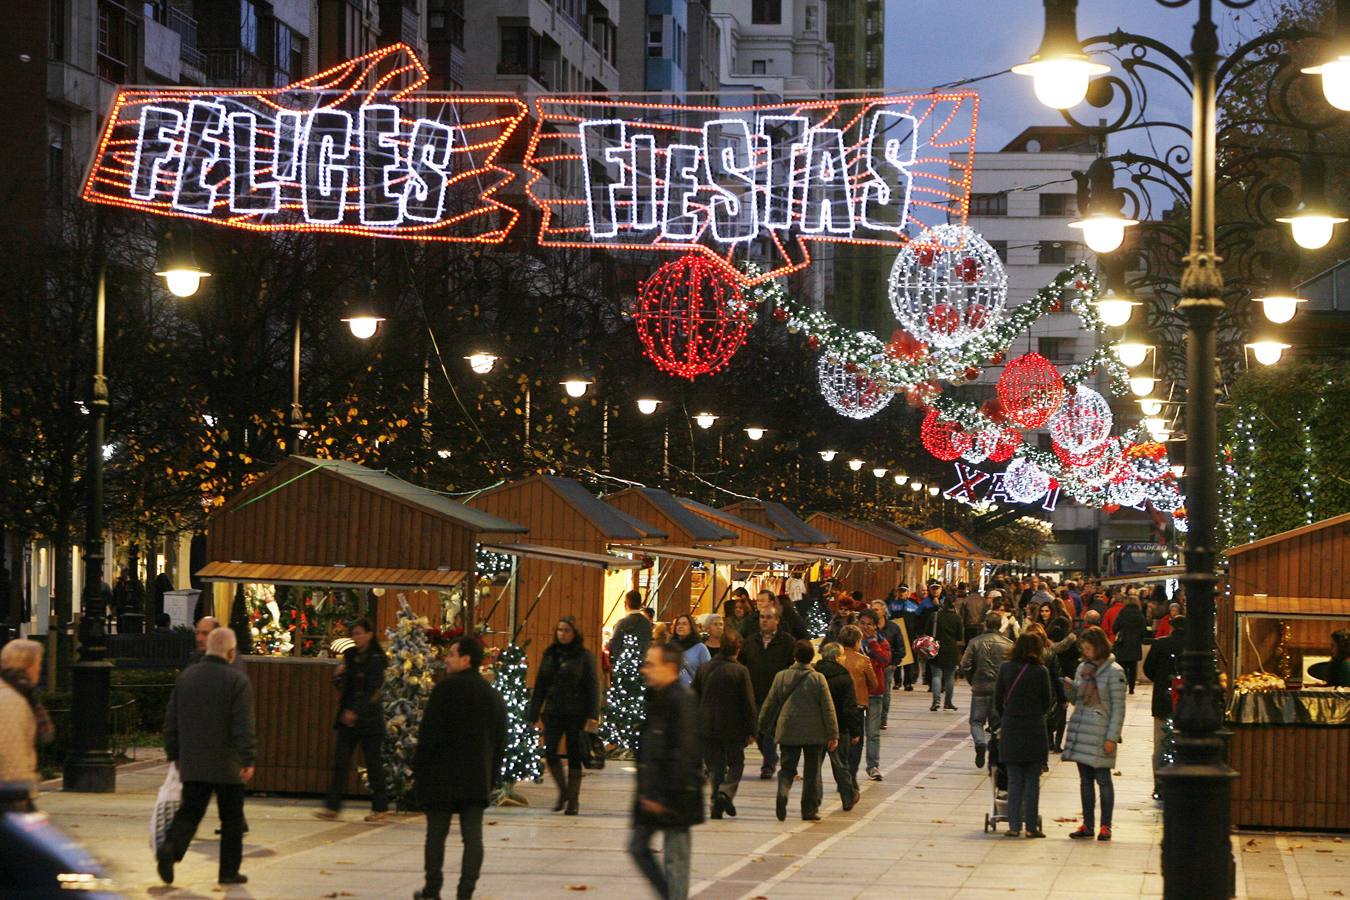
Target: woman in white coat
{"x": 1097, "y": 692}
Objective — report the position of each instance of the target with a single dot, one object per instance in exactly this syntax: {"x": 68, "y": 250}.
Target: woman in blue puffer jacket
{"x": 1097, "y": 692}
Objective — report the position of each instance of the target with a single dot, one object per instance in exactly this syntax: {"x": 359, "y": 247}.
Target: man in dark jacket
{"x": 459, "y": 753}
{"x": 766, "y": 653}
{"x": 360, "y": 721}
{"x": 635, "y": 623}
{"x": 669, "y": 794}
{"x": 1161, "y": 666}
{"x": 789, "y": 619}
{"x": 850, "y": 717}
{"x": 979, "y": 666}
{"x": 728, "y": 721}
{"x": 209, "y": 735}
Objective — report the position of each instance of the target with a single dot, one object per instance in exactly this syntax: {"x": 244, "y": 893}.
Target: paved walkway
{"x": 920, "y": 832}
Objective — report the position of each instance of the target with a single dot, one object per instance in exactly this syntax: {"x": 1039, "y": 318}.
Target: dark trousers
{"x": 855, "y": 751}
{"x": 1056, "y": 723}
{"x": 769, "y": 750}
{"x": 230, "y": 806}
{"x": 811, "y": 790}
{"x": 1024, "y": 795}
{"x": 911, "y": 673}
{"x": 726, "y": 764}
{"x": 433, "y": 851}
{"x": 1087, "y": 777}
{"x": 574, "y": 729}
{"x": 844, "y": 777}
{"x": 1131, "y": 673}
{"x": 372, "y": 750}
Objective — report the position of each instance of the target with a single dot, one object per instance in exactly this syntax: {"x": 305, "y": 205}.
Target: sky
{"x": 931, "y": 42}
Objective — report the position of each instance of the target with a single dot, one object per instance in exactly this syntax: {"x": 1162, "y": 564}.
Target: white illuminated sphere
{"x": 1024, "y": 481}
{"x": 853, "y": 394}
{"x": 855, "y": 464}
{"x": 705, "y": 420}
{"x": 933, "y": 490}
{"x": 754, "y": 433}
{"x": 1268, "y": 353}
{"x": 879, "y": 472}
{"x": 1115, "y": 311}
{"x": 1060, "y": 83}
{"x": 183, "y": 282}
{"x": 647, "y": 406}
{"x": 947, "y": 286}
{"x": 828, "y": 455}
{"x": 985, "y": 443}
{"x": 900, "y": 480}
{"x": 1164, "y": 496}
{"x": 1312, "y": 232}
{"x": 1150, "y": 406}
{"x": 916, "y": 485}
{"x": 1128, "y": 492}
{"x": 363, "y": 327}
{"x": 1335, "y": 81}
{"x": 1082, "y": 421}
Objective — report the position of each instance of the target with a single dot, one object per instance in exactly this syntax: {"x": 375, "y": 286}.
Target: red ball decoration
{"x": 1006, "y": 446}
{"x": 691, "y": 317}
{"x": 945, "y": 440}
{"x": 977, "y": 317}
{"x": 968, "y": 269}
{"x": 1056, "y": 305}
{"x": 944, "y": 318}
{"x": 993, "y": 410}
{"x": 998, "y": 358}
{"x": 780, "y": 315}
{"x": 813, "y": 343}
{"x": 1079, "y": 460}
{"x": 1030, "y": 390}
{"x": 972, "y": 372}
{"x": 905, "y": 346}
{"x": 1111, "y": 508}
{"x": 924, "y": 255}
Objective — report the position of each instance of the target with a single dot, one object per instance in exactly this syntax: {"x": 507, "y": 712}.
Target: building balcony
{"x": 236, "y": 68}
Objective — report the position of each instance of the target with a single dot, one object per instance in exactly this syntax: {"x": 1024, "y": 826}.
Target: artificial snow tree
{"x": 407, "y": 687}
{"x": 626, "y": 699}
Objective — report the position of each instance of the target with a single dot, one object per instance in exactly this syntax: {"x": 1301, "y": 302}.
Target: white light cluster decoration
{"x": 1126, "y": 492}
{"x": 985, "y": 443}
{"x": 1164, "y": 496}
{"x": 1024, "y": 481}
{"x": 1083, "y": 420}
{"x": 948, "y": 286}
{"x": 854, "y": 394}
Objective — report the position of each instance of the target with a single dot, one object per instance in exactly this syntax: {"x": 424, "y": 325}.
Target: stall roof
{"x": 975, "y": 548}
{"x": 329, "y": 576}
{"x": 778, "y": 517}
{"x": 613, "y": 523}
{"x": 1154, "y": 573}
{"x": 925, "y": 546}
{"x": 948, "y": 541}
{"x": 1288, "y": 535}
{"x": 696, "y": 526}
{"x": 735, "y": 521}
{"x": 846, "y": 555}
{"x": 724, "y": 553}
{"x": 567, "y": 555}
{"x": 784, "y": 555}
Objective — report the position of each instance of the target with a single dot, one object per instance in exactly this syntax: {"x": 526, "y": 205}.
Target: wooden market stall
{"x": 924, "y": 559}
{"x": 334, "y": 525}
{"x": 1291, "y": 747}
{"x": 964, "y": 564}
{"x": 681, "y": 578}
{"x": 585, "y": 579}
{"x": 867, "y": 557}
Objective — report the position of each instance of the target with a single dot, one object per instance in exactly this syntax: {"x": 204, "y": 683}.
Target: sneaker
{"x": 325, "y": 813}
{"x": 874, "y": 773}
{"x": 236, "y": 878}
{"x": 948, "y": 706}
{"x": 1083, "y": 832}
{"x": 979, "y": 756}
{"x": 1105, "y": 833}
{"x": 934, "y": 707}
{"x": 377, "y": 818}
{"x": 884, "y": 725}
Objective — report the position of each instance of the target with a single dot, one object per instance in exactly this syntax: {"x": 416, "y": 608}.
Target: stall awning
{"x": 329, "y": 576}
{"x": 729, "y": 554}
{"x": 567, "y": 555}
{"x": 844, "y": 555}
{"x": 757, "y": 554}
{"x": 1153, "y": 575}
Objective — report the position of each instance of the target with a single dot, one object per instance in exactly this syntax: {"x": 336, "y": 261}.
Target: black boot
{"x": 555, "y": 771}
{"x": 574, "y": 776}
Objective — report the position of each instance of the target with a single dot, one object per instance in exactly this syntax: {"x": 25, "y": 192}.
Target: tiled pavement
{"x": 918, "y": 832}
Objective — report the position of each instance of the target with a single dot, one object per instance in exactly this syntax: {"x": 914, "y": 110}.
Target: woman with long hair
{"x": 1054, "y": 717}
{"x": 1128, "y": 642}
{"x": 1097, "y": 692}
{"x": 566, "y": 703}
{"x": 1022, "y": 697}
{"x": 694, "y": 651}
{"x": 360, "y": 720}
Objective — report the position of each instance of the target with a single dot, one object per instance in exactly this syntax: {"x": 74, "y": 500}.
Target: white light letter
{"x": 829, "y": 197}
{"x": 893, "y": 139}
{"x": 679, "y": 221}
{"x": 155, "y": 152}
{"x": 195, "y": 190}
{"x": 728, "y": 154}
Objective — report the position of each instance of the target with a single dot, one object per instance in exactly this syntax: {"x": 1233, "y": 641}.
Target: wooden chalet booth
{"x": 1286, "y": 594}
{"x": 865, "y": 557}
{"x": 682, "y": 578}
{"x": 326, "y": 528}
{"x": 963, "y": 565}
{"x": 567, "y": 568}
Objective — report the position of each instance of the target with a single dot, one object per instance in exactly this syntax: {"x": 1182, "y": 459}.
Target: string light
{"x": 851, "y": 392}
{"x": 945, "y": 440}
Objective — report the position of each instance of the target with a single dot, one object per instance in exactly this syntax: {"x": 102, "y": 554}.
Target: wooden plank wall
{"x": 1291, "y": 777}
{"x": 295, "y": 705}
{"x": 324, "y": 520}
{"x": 676, "y": 594}
{"x": 875, "y": 580}
{"x": 1303, "y": 566}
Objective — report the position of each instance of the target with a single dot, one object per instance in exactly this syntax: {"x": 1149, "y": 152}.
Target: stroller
{"x": 998, "y": 782}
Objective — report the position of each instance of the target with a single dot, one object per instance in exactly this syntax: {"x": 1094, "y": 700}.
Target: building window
{"x": 112, "y": 40}
{"x": 989, "y": 204}
{"x": 1001, "y": 248}
{"x": 1053, "y": 253}
{"x": 766, "y": 12}
{"x": 1055, "y": 349}
{"x": 515, "y": 55}
{"x": 56, "y": 37}
{"x": 248, "y": 26}
{"x": 1057, "y": 204}
{"x": 759, "y": 67}
{"x": 656, "y": 35}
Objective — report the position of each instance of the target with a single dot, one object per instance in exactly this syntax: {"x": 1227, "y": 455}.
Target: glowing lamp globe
{"x": 705, "y": 420}
{"x": 183, "y": 280}
{"x": 855, "y": 464}
{"x": 916, "y": 486}
{"x": 828, "y": 455}
{"x": 691, "y": 317}
{"x": 647, "y": 405}
{"x": 1103, "y": 233}
{"x": 879, "y": 472}
{"x": 933, "y": 490}
{"x": 481, "y": 362}
{"x": 1142, "y": 385}
{"x": 1150, "y": 406}
{"x": 575, "y": 387}
{"x": 1131, "y": 353}
{"x": 1060, "y": 82}
{"x": 900, "y": 480}
{"x": 1335, "y": 80}
{"x": 1267, "y": 353}
{"x": 363, "y": 327}
{"x": 1155, "y": 423}
{"x": 1312, "y": 231}
{"x": 1280, "y": 308}
{"x": 1178, "y": 471}
{"x": 1115, "y": 310}
{"x": 754, "y": 433}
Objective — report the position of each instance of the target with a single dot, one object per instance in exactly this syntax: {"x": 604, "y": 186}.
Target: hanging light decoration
{"x": 691, "y": 317}
{"x": 1030, "y": 390}
{"x": 947, "y": 286}
{"x": 851, "y": 393}
{"x": 945, "y": 440}
{"x": 1008, "y": 442}
{"x": 1024, "y": 481}
{"x": 1083, "y": 420}
{"x": 1128, "y": 491}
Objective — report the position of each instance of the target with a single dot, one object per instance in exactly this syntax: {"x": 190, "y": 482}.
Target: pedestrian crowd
{"x": 1050, "y": 667}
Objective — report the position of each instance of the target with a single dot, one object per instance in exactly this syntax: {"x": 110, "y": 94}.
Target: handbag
{"x": 928, "y": 646}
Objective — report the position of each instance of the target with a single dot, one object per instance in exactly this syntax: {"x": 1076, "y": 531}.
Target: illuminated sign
{"x": 359, "y": 149}
{"x": 717, "y": 179}
{"x": 969, "y": 481}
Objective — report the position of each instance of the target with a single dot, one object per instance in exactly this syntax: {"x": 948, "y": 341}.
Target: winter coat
{"x": 1164, "y": 661}
{"x": 362, "y": 685}
{"x": 208, "y": 724}
{"x": 1022, "y": 709}
{"x": 1066, "y": 651}
{"x": 790, "y": 622}
{"x": 890, "y": 633}
{"x": 670, "y": 760}
{"x": 980, "y": 663}
{"x": 639, "y": 626}
{"x": 949, "y": 634}
{"x": 1090, "y": 727}
{"x": 695, "y": 657}
{"x": 799, "y": 715}
{"x": 1128, "y": 639}
{"x": 726, "y": 701}
{"x": 566, "y": 686}
{"x": 864, "y": 674}
{"x": 18, "y": 739}
{"x": 846, "y": 710}
{"x": 461, "y": 743}
{"x": 764, "y": 662}
{"x": 879, "y": 654}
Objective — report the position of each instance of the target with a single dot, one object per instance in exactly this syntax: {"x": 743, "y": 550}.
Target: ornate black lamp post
{"x": 1197, "y": 853}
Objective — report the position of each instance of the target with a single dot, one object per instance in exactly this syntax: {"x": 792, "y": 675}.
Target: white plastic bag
{"x": 167, "y": 801}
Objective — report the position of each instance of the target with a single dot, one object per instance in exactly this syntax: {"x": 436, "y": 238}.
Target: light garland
{"x": 947, "y": 286}
{"x": 851, "y": 391}
{"x": 1083, "y": 420}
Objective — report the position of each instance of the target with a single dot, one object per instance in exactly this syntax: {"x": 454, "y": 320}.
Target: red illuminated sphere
{"x": 691, "y": 317}
{"x": 1030, "y": 390}
{"x": 945, "y": 440}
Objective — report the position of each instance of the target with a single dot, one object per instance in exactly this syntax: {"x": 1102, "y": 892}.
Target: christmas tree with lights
{"x": 407, "y": 687}
{"x": 520, "y": 762}
{"x": 817, "y": 619}
{"x": 626, "y": 699}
